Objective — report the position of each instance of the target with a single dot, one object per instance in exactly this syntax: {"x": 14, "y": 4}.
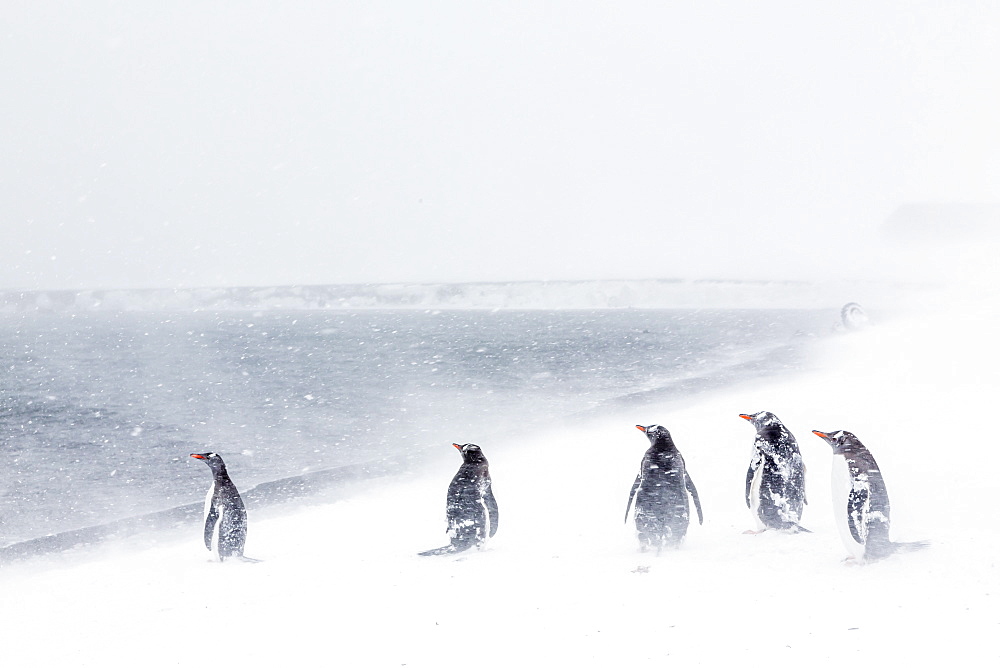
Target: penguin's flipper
{"x": 751, "y": 470}
{"x": 211, "y": 518}
{"x": 631, "y": 494}
{"x": 492, "y": 509}
{"x": 689, "y": 483}
{"x": 857, "y": 499}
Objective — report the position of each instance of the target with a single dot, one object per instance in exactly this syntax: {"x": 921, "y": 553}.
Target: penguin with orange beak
{"x": 225, "y": 515}
{"x": 860, "y": 500}
{"x": 776, "y": 478}
{"x": 471, "y": 509}
{"x": 661, "y": 492}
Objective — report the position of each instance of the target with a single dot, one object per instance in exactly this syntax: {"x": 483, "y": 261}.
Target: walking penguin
{"x": 225, "y": 514}
{"x": 471, "y": 508}
{"x": 661, "y": 491}
{"x": 776, "y": 477}
{"x": 860, "y": 500}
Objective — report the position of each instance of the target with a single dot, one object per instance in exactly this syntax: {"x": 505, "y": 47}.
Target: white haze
{"x": 225, "y": 143}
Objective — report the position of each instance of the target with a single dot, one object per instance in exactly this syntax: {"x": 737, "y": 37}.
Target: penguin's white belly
{"x": 758, "y": 476}
{"x": 842, "y": 483}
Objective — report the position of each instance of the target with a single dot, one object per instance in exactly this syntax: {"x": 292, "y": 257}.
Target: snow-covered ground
{"x": 563, "y": 582}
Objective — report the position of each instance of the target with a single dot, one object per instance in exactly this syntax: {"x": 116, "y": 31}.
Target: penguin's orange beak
{"x": 820, "y": 434}
{"x": 641, "y": 428}
{"x": 197, "y": 456}
{"x": 457, "y": 446}
{"x": 745, "y": 416}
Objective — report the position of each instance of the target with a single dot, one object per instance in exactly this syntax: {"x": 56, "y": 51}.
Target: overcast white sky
{"x": 149, "y": 144}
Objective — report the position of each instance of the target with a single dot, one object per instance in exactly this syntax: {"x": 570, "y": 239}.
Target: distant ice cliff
{"x": 512, "y": 295}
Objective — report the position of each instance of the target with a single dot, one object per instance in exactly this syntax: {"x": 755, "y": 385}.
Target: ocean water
{"x": 99, "y": 411}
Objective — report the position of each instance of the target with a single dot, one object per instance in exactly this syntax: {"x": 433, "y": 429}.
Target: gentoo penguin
{"x": 660, "y": 491}
{"x": 471, "y": 508}
{"x": 225, "y": 514}
{"x": 860, "y": 500}
{"x": 776, "y": 477}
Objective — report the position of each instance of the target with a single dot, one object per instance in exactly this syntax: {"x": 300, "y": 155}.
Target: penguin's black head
{"x": 657, "y": 434}
{"x": 471, "y": 453}
{"x": 842, "y": 442}
{"x": 213, "y": 460}
{"x": 766, "y": 423}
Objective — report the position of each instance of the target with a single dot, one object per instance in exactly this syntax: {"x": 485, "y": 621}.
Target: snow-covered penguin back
{"x": 470, "y": 509}
{"x": 661, "y": 491}
{"x": 775, "y": 482}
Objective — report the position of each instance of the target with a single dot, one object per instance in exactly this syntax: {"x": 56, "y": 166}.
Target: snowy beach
{"x": 326, "y": 241}
{"x": 563, "y": 580}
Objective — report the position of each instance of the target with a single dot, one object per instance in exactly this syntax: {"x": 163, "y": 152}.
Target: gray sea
{"x": 99, "y": 411}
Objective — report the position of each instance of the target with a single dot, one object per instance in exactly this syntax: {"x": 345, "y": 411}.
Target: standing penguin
{"x": 860, "y": 500}
{"x": 225, "y": 514}
{"x": 471, "y": 508}
{"x": 776, "y": 477}
{"x": 660, "y": 491}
